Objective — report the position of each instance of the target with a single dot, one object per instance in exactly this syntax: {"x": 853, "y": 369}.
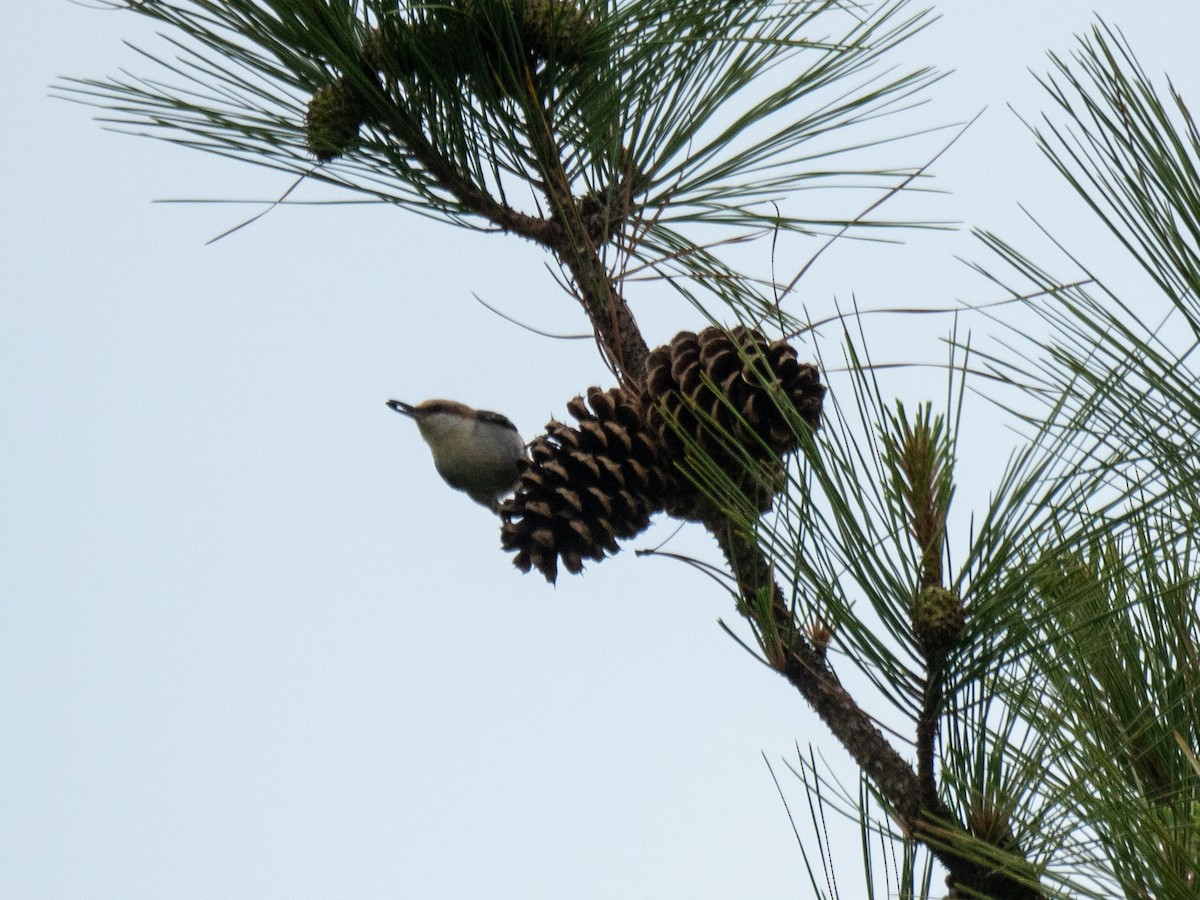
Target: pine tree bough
{"x": 565, "y": 234}
{"x": 730, "y": 398}
{"x": 804, "y": 666}
{"x": 427, "y": 93}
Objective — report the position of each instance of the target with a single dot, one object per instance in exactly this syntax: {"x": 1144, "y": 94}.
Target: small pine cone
{"x": 605, "y": 210}
{"x": 335, "y": 113}
{"x": 478, "y": 42}
{"x": 584, "y": 487}
{"x": 401, "y": 48}
{"x": 500, "y": 38}
{"x": 388, "y": 48}
{"x": 938, "y": 618}
{"x": 715, "y": 387}
{"x": 557, "y": 30}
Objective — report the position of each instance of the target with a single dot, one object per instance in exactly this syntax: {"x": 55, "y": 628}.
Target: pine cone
{"x": 720, "y": 389}
{"x": 335, "y": 113}
{"x": 400, "y": 48}
{"x": 938, "y": 617}
{"x": 584, "y": 487}
{"x": 393, "y": 47}
{"x": 604, "y": 211}
{"x": 499, "y": 39}
{"x": 556, "y": 30}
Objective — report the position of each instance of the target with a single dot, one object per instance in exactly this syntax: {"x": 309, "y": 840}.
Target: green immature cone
{"x": 389, "y": 48}
{"x": 919, "y": 453}
{"x": 605, "y": 211}
{"x": 335, "y": 114}
{"x": 505, "y": 46}
{"x": 406, "y": 49}
{"x": 938, "y": 618}
{"x": 556, "y": 30}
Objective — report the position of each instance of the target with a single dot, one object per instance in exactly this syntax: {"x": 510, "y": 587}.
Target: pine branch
{"x": 919, "y": 812}
{"x": 612, "y": 320}
{"x": 447, "y": 107}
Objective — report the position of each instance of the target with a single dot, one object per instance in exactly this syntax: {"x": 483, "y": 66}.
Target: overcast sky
{"x": 252, "y": 647}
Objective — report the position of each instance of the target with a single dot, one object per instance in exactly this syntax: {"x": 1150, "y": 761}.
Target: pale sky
{"x": 252, "y": 647}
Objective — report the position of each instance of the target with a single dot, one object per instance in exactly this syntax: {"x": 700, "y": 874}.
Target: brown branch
{"x": 914, "y": 802}
{"x": 616, "y": 329}
{"x": 927, "y": 731}
{"x": 565, "y": 232}
{"x": 807, "y": 670}
{"x": 475, "y": 198}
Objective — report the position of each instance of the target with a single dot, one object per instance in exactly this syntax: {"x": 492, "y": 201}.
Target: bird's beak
{"x": 403, "y": 408}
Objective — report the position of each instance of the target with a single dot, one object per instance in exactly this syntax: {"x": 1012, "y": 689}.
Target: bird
{"x": 475, "y": 451}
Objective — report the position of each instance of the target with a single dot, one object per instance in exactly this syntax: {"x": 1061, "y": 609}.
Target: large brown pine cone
{"x": 725, "y": 391}
{"x": 585, "y": 486}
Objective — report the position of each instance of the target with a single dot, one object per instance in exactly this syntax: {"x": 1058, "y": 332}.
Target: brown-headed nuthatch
{"x": 474, "y": 450}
